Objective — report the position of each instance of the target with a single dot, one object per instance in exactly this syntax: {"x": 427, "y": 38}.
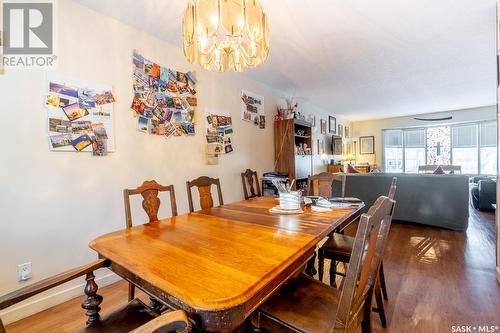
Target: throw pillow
{"x": 439, "y": 171}
{"x": 350, "y": 169}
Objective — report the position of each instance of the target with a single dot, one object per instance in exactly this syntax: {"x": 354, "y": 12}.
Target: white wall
{"x": 53, "y": 204}
{"x": 375, "y": 127}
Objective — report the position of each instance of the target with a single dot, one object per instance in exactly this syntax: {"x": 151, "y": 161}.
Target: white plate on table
{"x": 279, "y": 210}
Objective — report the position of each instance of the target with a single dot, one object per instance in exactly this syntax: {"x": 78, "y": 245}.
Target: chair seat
{"x": 124, "y": 319}
{"x": 303, "y": 303}
{"x": 339, "y": 243}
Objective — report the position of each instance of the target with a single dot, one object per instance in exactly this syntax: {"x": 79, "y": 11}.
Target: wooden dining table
{"x": 219, "y": 264}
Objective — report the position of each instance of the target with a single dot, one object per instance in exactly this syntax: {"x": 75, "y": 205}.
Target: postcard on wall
{"x": 79, "y": 114}
{"x": 81, "y": 142}
{"x": 99, "y": 148}
{"x": 164, "y": 99}
{"x": 252, "y": 108}
{"x": 219, "y": 133}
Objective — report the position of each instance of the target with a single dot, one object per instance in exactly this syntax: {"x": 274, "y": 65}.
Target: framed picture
{"x": 338, "y": 147}
{"x": 320, "y": 146}
{"x": 366, "y": 145}
{"x": 332, "y": 125}
{"x": 322, "y": 126}
{"x": 340, "y": 130}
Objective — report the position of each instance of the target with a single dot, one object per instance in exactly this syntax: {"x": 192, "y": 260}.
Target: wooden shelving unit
{"x": 298, "y": 167}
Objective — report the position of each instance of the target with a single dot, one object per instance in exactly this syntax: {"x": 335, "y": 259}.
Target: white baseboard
{"x": 29, "y": 308}
{"x": 498, "y": 275}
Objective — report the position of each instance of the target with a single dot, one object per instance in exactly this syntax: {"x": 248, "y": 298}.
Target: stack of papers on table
{"x": 319, "y": 209}
{"x": 345, "y": 202}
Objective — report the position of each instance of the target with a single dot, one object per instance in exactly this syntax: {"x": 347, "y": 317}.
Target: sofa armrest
{"x": 487, "y": 193}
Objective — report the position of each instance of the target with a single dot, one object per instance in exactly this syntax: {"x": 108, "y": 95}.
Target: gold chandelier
{"x": 222, "y": 34}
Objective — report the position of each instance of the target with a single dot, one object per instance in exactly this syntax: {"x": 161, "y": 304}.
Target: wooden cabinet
{"x": 335, "y": 168}
{"x": 289, "y": 134}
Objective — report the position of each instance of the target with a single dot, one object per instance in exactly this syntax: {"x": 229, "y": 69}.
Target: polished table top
{"x": 221, "y": 261}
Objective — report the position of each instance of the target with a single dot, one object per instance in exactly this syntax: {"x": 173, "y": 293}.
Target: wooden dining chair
{"x": 149, "y": 190}
{"x": 249, "y": 178}
{"x": 307, "y": 305}
{"x": 134, "y": 316}
{"x": 322, "y": 184}
{"x": 338, "y": 248}
{"x": 204, "y": 185}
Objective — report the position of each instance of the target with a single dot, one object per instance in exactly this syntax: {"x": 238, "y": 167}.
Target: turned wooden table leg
{"x": 92, "y": 302}
{"x": 310, "y": 270}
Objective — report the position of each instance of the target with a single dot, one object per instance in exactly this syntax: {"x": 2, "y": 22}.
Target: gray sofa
{"x": 435, "y": 200}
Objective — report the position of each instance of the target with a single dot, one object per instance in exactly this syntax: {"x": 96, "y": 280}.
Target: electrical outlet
{"x": 24, "y": 271}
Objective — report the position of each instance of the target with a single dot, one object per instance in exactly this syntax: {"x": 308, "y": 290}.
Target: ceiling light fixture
{"x": 224, "y": 34}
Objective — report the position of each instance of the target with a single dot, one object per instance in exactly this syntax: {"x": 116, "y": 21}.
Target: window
{"x": 471, "y": 146}
{"x": 465, "y": 150}
{"x": 487, "y": 148}
{"x": 393, "y": 150}
{"x": 414, "y": 149}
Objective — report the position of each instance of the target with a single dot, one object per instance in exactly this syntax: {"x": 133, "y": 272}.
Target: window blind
{"x": 464, "y": 136}
{"x": 393, "y": 138}
{"x": 488, "y": 135}
{"x": 415, "y": 138}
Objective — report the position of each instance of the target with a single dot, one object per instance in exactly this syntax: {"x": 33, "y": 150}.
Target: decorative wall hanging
{"x": 79, "y": 116}
{"x": 332, "y": 125}
{"x": 252, "y": 108}
{"x": 367, "y": 145}
{"x": 322, "y": 123}
{"x": 221, "y": 34}
{"x": 220, "y": 132}
{"x": 164, "y": 99}
{"x": 340, "y": 130}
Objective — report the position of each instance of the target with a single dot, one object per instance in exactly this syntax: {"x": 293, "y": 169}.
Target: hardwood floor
{"x": 436, "y": 278}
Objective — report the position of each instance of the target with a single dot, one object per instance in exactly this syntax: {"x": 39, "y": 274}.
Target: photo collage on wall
{"x": 80, "y": 117}
{"x": 252, "y": 108}
{"x": 164, "y": 99}
{"x": 219, "y": 134}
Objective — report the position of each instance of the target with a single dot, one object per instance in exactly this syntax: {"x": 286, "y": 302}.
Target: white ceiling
{"x": 359, "y": 58}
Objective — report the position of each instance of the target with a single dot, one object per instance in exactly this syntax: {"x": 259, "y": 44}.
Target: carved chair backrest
{"x": 149, "y": 191}
{"x": 249, "y": 178}
{"x": 322, "y": 184}
{"x": 360, "y": 278}
{"x": 204, "y": 185}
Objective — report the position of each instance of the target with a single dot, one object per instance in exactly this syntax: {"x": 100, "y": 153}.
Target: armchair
{"x": 483, "y": 193}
